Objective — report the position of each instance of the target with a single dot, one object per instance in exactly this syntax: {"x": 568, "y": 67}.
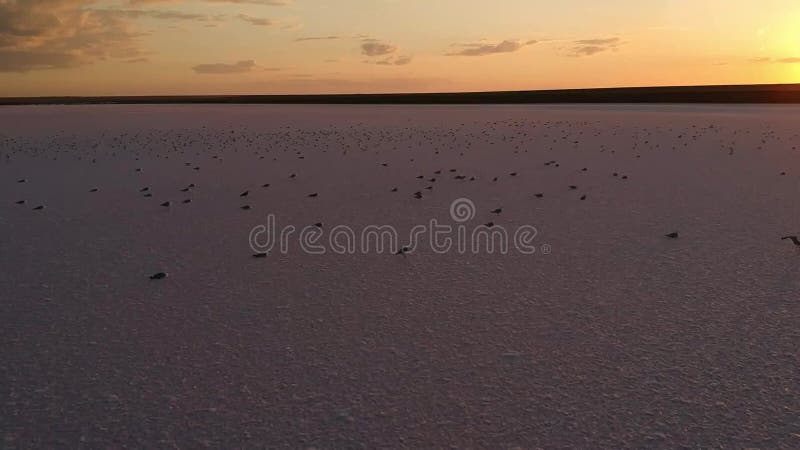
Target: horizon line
{"x": 723, "y": 93}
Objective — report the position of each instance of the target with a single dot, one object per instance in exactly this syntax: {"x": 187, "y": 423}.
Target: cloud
{"x": 316, "y": 38}
{"x": 222, "y": 68}
{"x": 149, "y": 2}
{"x": 255, "y": 2}
{"x": 589, "y": 47}
{"x": 263, "y": 22}
{"x": 375, "y": 48}
{"x": 392, "y": 61}
{"x": 402, "y": 60}
{"x": 251, "y": 2}
{"x": 54, "y": 34}
{"x": 154, "y": 14}
{"x": 478, "y": 49}
{"x": 792, "y": 60}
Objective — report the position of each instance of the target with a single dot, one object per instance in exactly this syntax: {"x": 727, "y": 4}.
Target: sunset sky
{"x": 148, "y": 47}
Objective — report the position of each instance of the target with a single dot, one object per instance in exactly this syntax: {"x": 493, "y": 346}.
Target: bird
{"x": 20, "y": 202}
{"x": 318, "y": 224}
{"x": 94, "y": 190}
{"x": 673, "y": 235}
{"x": 260, "y": 255}
{"x": 144, "y": 189}
{"x": 794, "y": 240}
{"x": 540, "y": 195}
{"x": 245, "y": 207}
{"x": 313, "y": 195}
{"x": 158, "y": 276}
{"x": 244, "y": 194}
{"x": 188, "y": 200}
{"x": 497, "y": 211}
{"x": 573, "y": 187}
{"x": 38, "y": 208}
{"x": 418, "y": 194}
{"x": 394, "y": 189}
{"x": 583, "y": 197}
{"x": 489, "y": 224}
{"x": 167, "y": 203}
{"x": 402, "y": 251}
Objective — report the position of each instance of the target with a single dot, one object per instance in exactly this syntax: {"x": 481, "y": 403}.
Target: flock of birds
{"x": 419, "y": 145}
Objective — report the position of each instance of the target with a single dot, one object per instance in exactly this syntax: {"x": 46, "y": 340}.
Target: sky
{"x": 186, "y": 47}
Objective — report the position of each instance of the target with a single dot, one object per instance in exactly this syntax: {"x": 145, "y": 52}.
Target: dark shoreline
{"x": 759, "y": 93}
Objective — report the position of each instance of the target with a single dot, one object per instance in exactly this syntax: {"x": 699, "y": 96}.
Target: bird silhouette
{"x": 794, "y": 240}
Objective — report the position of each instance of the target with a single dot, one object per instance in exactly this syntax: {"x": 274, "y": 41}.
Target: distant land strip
{"x": 758, "y": 93}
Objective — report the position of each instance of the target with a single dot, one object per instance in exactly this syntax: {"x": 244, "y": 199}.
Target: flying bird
{"x": 794, "y": 240}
